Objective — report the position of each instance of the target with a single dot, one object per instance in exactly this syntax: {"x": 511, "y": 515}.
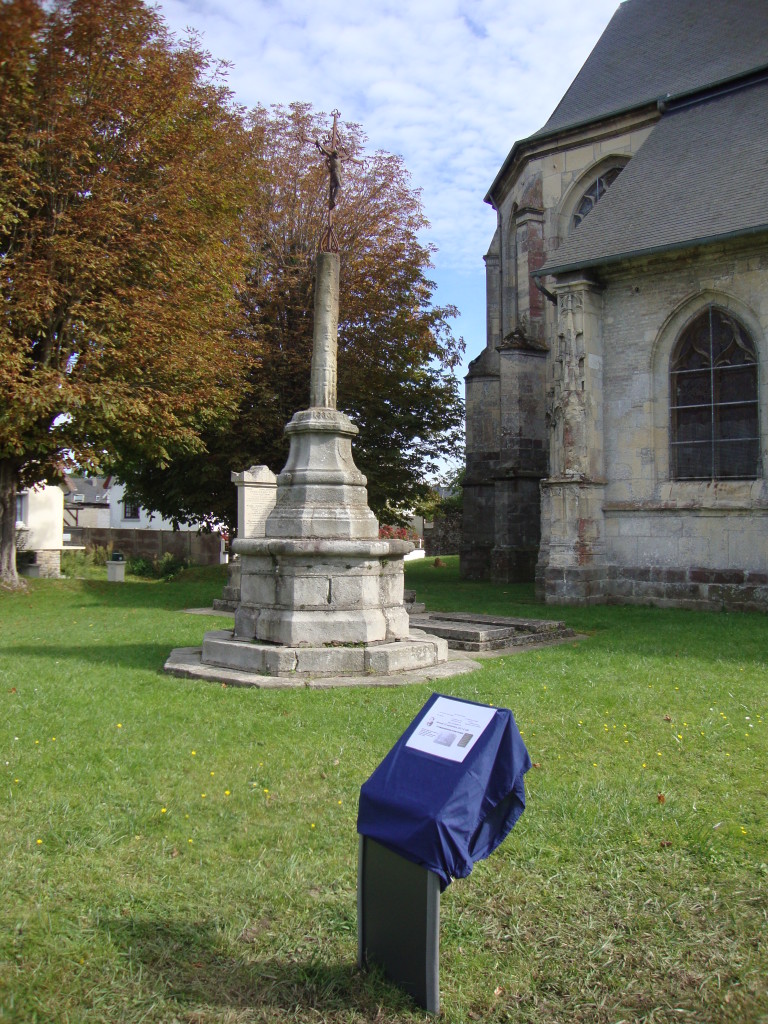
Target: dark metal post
{"x": 398, "y": 921}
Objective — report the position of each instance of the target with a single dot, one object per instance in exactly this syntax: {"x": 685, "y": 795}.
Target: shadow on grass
{"x": 170, "y": 594}
{"x": 195, "y": 964}
{"x": 139, "y": 655}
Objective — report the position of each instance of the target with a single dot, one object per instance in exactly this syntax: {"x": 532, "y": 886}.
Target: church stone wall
{"x": 687, "y": 543}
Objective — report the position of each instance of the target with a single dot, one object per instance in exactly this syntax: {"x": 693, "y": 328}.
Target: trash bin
{"x": 445, "y": 796}
{"x": 116, "y": 568}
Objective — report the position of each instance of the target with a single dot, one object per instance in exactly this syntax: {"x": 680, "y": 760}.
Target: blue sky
{"x": 448, "y": 84}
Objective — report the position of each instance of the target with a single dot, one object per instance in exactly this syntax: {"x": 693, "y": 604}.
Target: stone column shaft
{"x": 325, "y": 338}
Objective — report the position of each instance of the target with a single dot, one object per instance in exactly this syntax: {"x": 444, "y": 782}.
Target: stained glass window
{"x": 714, "y": 424}
{"x": 595, "y": 193}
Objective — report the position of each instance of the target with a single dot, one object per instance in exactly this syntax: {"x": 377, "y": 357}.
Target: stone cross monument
{"x": 320, "y": 593}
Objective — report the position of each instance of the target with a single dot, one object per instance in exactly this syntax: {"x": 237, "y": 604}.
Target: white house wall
{"x": 146, "y": 521}
{"x": 43, "y": 518}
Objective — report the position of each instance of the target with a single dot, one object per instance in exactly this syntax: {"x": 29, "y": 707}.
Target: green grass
{"x": 128, "y": 896}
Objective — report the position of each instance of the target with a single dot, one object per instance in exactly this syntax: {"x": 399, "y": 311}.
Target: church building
{"x": 617, "y": 420}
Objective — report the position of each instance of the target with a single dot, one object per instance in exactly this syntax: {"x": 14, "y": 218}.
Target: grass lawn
{"x": 176, "y": 851}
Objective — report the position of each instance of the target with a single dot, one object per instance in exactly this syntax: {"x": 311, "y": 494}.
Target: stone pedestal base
{"x": 303, "y": 592}
{"x": 222, "y": 650}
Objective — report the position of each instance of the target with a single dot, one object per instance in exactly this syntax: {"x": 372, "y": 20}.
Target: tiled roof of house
{"x": 93, "y": 489}
{"x": 654, "y": 48}
{"x": 701, "y": 175}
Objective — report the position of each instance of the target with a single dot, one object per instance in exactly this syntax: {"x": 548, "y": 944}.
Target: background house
{"x": 617, "y": 421}
{"x": 39, "y": 530}
{"x": 99, "y": 513}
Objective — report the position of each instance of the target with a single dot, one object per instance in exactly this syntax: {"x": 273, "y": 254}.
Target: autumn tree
{"x": 122, "y": 178}
{"x": 396, "y": 350}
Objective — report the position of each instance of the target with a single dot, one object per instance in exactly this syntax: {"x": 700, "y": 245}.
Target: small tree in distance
{"x": 396, "y": 349}
{"x": 123, "y": 174}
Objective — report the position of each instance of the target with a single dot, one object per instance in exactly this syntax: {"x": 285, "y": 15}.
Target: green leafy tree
{"x": 123, "y": 174}
{"x": 396, "y": 350}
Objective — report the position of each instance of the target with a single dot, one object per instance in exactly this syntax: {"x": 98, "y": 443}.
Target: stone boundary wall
{"x": 695, "y": 588}
{"x": 200, "y": 548}
{"x": 444, "y": 536}
{"x": 46, "y": 564}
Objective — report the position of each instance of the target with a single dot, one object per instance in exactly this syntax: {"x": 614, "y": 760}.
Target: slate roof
{"x": 701, "y": 175}
{"x": 93, "y": 489}
{"x": 653, "y": 48}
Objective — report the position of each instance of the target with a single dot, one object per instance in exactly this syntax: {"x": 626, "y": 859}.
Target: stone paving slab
{"x": 476, "y": 632}
{"x": 521, "y": 625}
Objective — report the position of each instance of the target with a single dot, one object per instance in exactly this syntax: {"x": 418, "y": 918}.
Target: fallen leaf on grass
{"x": 251, "y": 932}
{"x": 667, "y": 718}
{"x": 661, "y": 798}
{"x": 665, "y": 842}
{"x": 536, "y": 764}
{"x": 498, "y": 991}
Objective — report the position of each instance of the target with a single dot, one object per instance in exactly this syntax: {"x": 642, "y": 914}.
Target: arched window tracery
{"x": 595, "y": 193}
{"x": 714, "y": 420}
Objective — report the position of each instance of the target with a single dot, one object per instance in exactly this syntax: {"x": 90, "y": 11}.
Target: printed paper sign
{"x": 450, "y": 728}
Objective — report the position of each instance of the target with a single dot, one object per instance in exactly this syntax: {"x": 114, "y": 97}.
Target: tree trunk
{"x": 8, "y": 488}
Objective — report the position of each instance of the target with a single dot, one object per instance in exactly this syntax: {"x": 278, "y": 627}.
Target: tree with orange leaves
{"x": 123, "y": 177}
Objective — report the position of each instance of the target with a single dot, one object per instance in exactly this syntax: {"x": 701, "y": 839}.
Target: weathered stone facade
{"x": 506, "y": 387}
{"x": 571, "y": 417}
{"x": 615, "y": 525}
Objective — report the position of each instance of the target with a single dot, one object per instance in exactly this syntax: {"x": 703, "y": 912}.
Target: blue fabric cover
{"x": 446, "y": 815}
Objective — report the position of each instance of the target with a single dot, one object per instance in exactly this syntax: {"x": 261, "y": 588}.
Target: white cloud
{"x": 449, "y": 84}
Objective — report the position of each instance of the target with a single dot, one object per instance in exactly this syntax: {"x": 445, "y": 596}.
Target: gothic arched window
{"x": 595, "y": 193}
{"x": 714, "y": 422}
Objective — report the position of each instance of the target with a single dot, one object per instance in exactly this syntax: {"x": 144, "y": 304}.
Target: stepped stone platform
{"x": 236, "y": 662}
{"x": 475, "y": 632}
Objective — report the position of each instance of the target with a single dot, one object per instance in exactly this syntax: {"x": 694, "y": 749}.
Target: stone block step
{"x": 476, "y": 632}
